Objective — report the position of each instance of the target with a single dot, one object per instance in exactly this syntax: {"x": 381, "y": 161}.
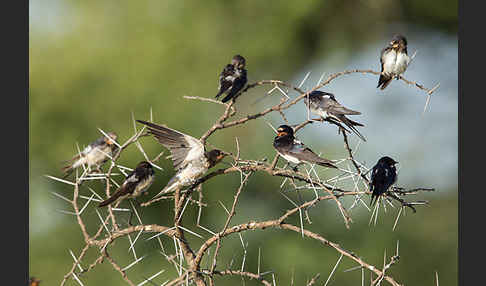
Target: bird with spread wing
{"x": 190, "y": 158}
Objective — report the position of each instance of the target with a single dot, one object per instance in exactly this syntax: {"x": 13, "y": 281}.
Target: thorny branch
{"x": 188, "y": 257}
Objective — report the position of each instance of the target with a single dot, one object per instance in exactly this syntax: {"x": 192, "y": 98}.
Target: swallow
{"x": 137, "y": 182}
{"x": 325, "y": 105}
{"x": 394, "y": 60}
{"x": 383, "y": 176}
{"x": 233, "y": 78}
{"x": 34, "y": 281}
{"x": 295, "y": 151}
{"x": 95, "y": 154}
{"x": 188, "y": 154}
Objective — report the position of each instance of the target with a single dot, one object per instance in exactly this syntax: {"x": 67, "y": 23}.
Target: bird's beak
{"x": 281, "y": 133}
{"x": 395, "y": 45}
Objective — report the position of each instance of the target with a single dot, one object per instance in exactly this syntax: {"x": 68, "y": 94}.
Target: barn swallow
{"x": 136, "y": 183}
{"x": 295, "y": 151}
{"x": 188, "y": 154}
{"x": 233, "y": 78}
{"x": 94, "y": 154}
{"x": 394, "y": 60}
{"x": 383, "y": 176}
{"x": 325, "y": 105}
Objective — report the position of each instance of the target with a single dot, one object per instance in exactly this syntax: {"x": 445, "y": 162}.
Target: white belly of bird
{"x": 97, "y": 156}
{"x": 92, "y": 157}
{"x": 143, "y": 186}
{"x": 389, "y": 62}
{"x": 289, "y": 158}
{"x": 395, "y": 64}
{"x": 79, "y": 162}
{"x": 190, "y": 174}
{"x": 401, "y": 63}
{"x": 319, "y": 112}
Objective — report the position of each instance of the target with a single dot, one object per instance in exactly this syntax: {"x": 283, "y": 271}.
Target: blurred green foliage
{"x": 94, "y": 63}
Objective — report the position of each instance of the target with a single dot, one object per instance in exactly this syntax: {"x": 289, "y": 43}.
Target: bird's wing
{"x": 383, "y": 55}
{"x": 226, "y": 79}
{"x": 391, "y": 176}
{"x": 372, "y": 179}
{"x": 351, "y": 124}
{"x": 127, "y": 187}
{"x": 238, "y": 84}
{"x": 183, "y": 148}
{"x": 131, "y": 181}
{"x": 303, "y": 153}
{"x": 384, "y": 80}
{"x": 336, "y": 108}
{"x": 379, "y": 179}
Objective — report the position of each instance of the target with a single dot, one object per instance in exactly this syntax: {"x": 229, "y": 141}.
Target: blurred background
{"x": 94, "y": 63}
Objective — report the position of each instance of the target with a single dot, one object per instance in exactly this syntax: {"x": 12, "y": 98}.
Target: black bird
{"x": 383, "y": 176}
{"x": 295, "y": 151}
{"x": 187, "y": 153}
{"x": 136, "y": 183}
{"x": 325, "y": 105}
{"x": 233, "y": 78}
{"x": 95, "y": 154}
{"x": 394, "y": 60}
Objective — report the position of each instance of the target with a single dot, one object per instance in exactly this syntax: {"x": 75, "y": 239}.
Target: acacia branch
{"x": 246, "y": 168}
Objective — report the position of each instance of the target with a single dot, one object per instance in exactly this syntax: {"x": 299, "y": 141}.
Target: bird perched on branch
{"x": 95, "y": 154}
{"x": 295, "y": 151}
{"x": 394, "y": 60}
{"x": 325, "y": 105}
{"x": 187, "y": 153}
{"x": 383, "y": 176}
{"x": 136, "y": 183}
{"x": 232, "y": 79}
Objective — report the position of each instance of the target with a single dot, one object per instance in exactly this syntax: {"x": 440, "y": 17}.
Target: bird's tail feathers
{"x": 67, "y": 170}
{"x": 228, "y": 96}
{"x": 355, "y": 123}
{"x": 336, "y": 122}
{"x": 326, "y": 163}
{"x": 384, "y": 81}
{"x": 374, "y": 199}
{"x": 74, "y": 158}
{"x": 111, "y": 199}
{"x": 350, "y": 123}
{"x": 219, "y": 94}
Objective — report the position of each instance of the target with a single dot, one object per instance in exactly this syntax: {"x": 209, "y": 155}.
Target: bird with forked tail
{"x": 295, "y": 151}
{"x": 325, "y": 105}
{"x": 137, "y": 182}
